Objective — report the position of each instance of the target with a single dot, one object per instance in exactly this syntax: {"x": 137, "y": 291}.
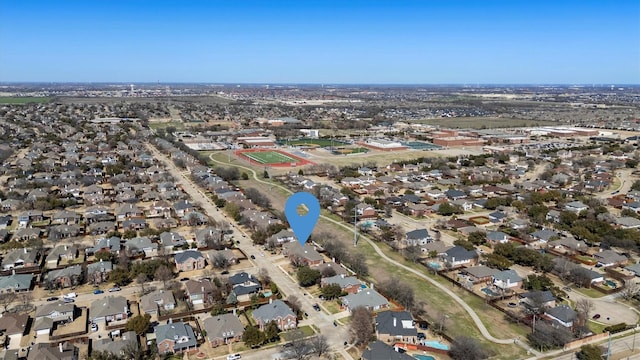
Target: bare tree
{"x": 294, "y": 303}
{"x": 630, "y": 290}
{"x": 141, "y": 279}
{"x": 361, "y": 330}
{"x": 300, "y": 348}
{"x": 466, "y": 348}
{"x": 26, "y": 298}
{"x": 163, "y": 274}
{"x": 263, "y": 276}
{"x": 320, "y": 344}
{"x": 6, "y": 299}
{"x": 584, "y": 307}
{"x": 220, "y": 261}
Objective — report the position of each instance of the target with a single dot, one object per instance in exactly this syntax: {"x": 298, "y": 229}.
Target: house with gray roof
{"x": 115, "y": 346}
{"x": 189, "y": 260}
{"x": 20, "y": 258}
{"x": 480, "y": 273}
{"x": 306, "y": 254}
{"x": 199, "y": 291}
{"x": 175, "y": 337}
{"x": 418, "y": 237}
{"x": 65, "y": 277}
{"x": 109, "y": 308}
{"x": 278, "y": 311}
{"x": 635, "y": 268}
{"x": 507, "y": 280}
{"x": 458, "y": 256}
{"x": 15, "y": 283}
{"x": 367, "y": 298}
{"x": 281, "y": 237}
{"x": 563, "y": 315}
{"x": 545, "y": 235}
{"x": 535, "y": 299}
{"x": 497, "y": 237}
{"x": 51, "y": 313}
{"x": 98, "y": 272}
{"x": 393, "y": 326}
{"x": 61, "y": 253}
{"x": 112, "y": 244}
{"x": 46, "y": 351}
{"x": 171, "y": 239}
{"x": 27, "y": 234}
{"x": 141, "y": 245}
{"x": 378, "y": 350}
{"x": 576, "y": 206}
{"x": 608, "y": 258}
{"x": 159, "y": 299}
{"x": 348, "y": 284}
{"x": 223, "y": 329}
{"x": 627, "y": 222}
{"x": 244, "y": 285}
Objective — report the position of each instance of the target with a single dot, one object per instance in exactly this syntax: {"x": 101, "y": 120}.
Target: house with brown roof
{"x": 306, "y": 255}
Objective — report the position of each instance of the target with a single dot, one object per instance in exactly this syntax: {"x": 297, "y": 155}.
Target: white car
{"x": 94, "y": 327}
{"x": 71, "y": 295}
{"x": 114, "y": 289}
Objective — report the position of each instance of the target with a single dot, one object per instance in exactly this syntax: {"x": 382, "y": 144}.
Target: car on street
{"x": 98, "y": 291}
{"x": 316, "y": 307}
{"x": 94, "y": 327}
{"x": 68, "y": 300}
{"x": 596, "y": 317}
{"x": 184, "y": 279}
{"x": 114, "y": 289}
{"x": 53, "y": 298}
{"x": 566, "y": 288}
{"x": 253, "y": 257}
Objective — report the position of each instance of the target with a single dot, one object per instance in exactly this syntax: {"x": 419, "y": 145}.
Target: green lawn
{"x": 24, "y": 100}
{"x": 592, "y": 293}
{"x": 307, "y": 331}
{"x": 269, "y": 157}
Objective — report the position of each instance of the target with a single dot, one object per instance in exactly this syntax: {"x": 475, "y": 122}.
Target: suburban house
{"x": 61, "y": 253}
{"x": 49, "y": 314}
{"x": 170, "y": 240}
{"x": 278, "y": 311}
{"x": 576, "y": 207}
{"x": 244, "y": 285}
{"x": 394, "y": 326}
{"x": 562, "y": 314}
{"x": 223, "y": 329}
{"x": 109, "y": 308}
{"x": 199, "y": 291}
{"x": 306, "y": 255}
{"x": 497, "y": 237}
{"x": 608, "y": 258}
{"x": 378, "y": 350}
{"x": 65, "y": 277}
{"x": 481, "y": 273}
{"x": 367, "y": 298}
{"x": 627, "y": 222}
{"x": 536, "y": 299}
{"x": 98, "y": 272}
{"x": 229, "y": 255}
{"x": 418, "y": 237}
{"x": 175, "y": 338}
{"x": 15, "y": 283}
{"x": 141, "y": 246}
{"x": 281, "y": 237}
{"x": 507, "y": 279}
{"x": 116, "y": 346}
{"x": 159, "y": 299}
{"x": 348, "y": 284}
{"x": 20, "y": 258}
{"x": 189, "y": 260}
{"x": 46, "y": 351}
{"x": 458, "y": 256}
{"x": 545, "y": 235}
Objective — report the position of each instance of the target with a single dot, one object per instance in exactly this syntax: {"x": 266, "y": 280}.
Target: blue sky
{"x": 348, "y": 41}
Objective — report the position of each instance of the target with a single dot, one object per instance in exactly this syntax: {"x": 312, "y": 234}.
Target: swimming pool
{"x": 434, "y": 265}
{"x": 424, "y": 357}
{"x": 489, "y": 292}
{"x": 436, "y": 345}
{"x": 611, "y": 283}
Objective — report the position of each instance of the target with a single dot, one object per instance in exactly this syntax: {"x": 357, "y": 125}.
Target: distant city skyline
{"x": 316, "y": 42}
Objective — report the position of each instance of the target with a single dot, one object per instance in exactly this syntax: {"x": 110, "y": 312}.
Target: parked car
{"x": 98, "y": 291}
{"x": 114, "y": 289}
{"x": 596, "y": 316}
{"x": 184, "y": 279}
{"x": 68, "y": 300}
{"x": 94, "y": 327}
{"x": 253, "y": 257}
{"x": 316, "y": 307}
{"x": 421, "y": 336}
{"x": 70, "y": 295}
{"x": 53, "y": 298}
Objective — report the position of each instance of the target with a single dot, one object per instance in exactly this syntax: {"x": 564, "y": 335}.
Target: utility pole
{"x": 355, "y": 228}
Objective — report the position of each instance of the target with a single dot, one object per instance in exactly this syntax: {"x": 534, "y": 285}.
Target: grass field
{"x": 270, "y": 157}
{"x": 24, "y": 100}
{"x": 358, "y": 150}
{"x": 313, "y": 142}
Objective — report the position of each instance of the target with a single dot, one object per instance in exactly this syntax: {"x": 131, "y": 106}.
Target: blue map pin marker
{"x": 302, "y": 225}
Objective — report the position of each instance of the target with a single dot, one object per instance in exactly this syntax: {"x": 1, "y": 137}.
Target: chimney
{"x": 270, "y": 300}
{"x": 394, "y": 321}
{"x": 234, "y": 311}
{"x": 371, "y": 286}
{"x": 66, "y": 247}
{"x": 60, "y": 347}
{"x": 342, "y": 276}
{"x": 25, "y": 250}
{"x": 170, "y": 321}
{"x": 202, "y": 288}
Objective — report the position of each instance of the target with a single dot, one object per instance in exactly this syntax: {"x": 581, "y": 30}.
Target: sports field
{"x": 272, "y": 157}
{"x": 314, "y": 142}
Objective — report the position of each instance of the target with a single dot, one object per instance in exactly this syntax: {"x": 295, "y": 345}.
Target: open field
{"x": 346, "y": 151}
{"x": 141, "y": 100}
{"x": 24, "y": 100}
{"x": 483, "y": 122}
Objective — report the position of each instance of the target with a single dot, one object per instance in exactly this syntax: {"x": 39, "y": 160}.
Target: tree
{"x": 498, "y": 261}
{"x": 584, "y": 307}
{"x": 361, "y": 329}
{"x": 630, "y": 290}
{"x": 220, "y": 261}
{"x": 140, "y": 280}
{"x": 104, "y": 255}
{"x": 294, "y": 303}
{"x": 253, "y": 337}
{"x": 271, "y": 331}
{"x": 466, "y": 348}
{"x": 245, "y": 176}
{"x": 320, "y": 345}
{"x": 331, "y": 291}
{"x": 546, "y": 337}
{"x": 412, "y": 253}
{"x": 307, "y": 276}
{"x": 163, "y": 274}
{"x": 358, "y": 264}
{"x": 400, "y": 292}
{"x": 119, "y": 276}
{"x": 139, "y": 324}
{"x": 477, "y": 238}
{"x": 589, "y": 352}
{"x": 263, "y": 276}
{"x": 300, "y": 348}
{"x": 6, "y": 299}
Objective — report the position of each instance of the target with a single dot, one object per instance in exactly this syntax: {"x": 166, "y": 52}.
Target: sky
{"x": 328, "y": 42}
